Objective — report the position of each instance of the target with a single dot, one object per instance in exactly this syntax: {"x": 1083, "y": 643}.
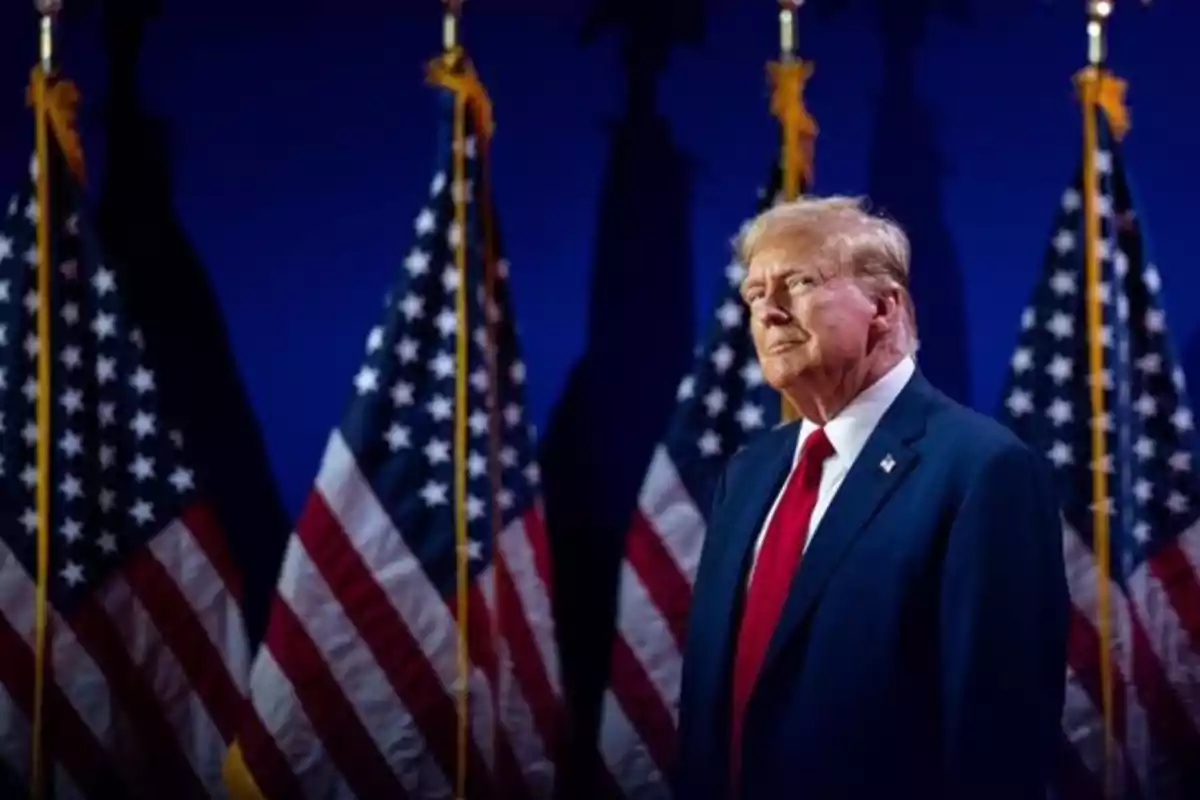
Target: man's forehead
{"x": 777, "y": 260}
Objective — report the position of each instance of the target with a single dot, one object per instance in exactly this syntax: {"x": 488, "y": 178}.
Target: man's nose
{"x": 772, "y": 312}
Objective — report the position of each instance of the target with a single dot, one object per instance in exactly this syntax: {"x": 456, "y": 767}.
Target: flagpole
{"x": 1098, "y": 12}
{"x": 798, "y": 129}
{"x": 39, "y": 771}
{"x": 450, "y": 47}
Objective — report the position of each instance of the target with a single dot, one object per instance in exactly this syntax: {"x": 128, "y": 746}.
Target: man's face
{"x": 809, "y": 322}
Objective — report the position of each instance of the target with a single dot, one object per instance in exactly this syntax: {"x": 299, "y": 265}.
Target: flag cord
{"x": 462, "y": 554}
{"x": 1101, "y": 539}
{"x": 41, "y": 610}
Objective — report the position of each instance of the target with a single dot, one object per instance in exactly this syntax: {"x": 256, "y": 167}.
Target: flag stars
{"x": 412, "y": 307}
{"x": 440, "y": 408}
{"x": 1176, "y": 503}
{"x": 103, "y": 281}
{"x": 1151, "y": 278}
{"x": 1064, "y": 241}
{"x": 1145, "y": 405}
{"x": 442, "y": 365}
{"x": 71, "y": 487}
{"x": 1182, "y": 419}
{"x": 1060, "y": 454}
{"x": 375, "y": 339}
{"x": 367, "y": 380}
{"x": 1063, "y": 282}
{"x": 425, "y": 222}
{"x": 182, "y": 479}
{"x": 434, "y": 494}
{"x": 1019, "y": 402}
{"x": 750, "y": 416}
{"x": 710, "y": 443}
{"x": 447, "y": 322}
{"x": 417, "y": 261}
{"x": 687, "y": 388}
{"x": 107, "y": 543}
{"x": 1180, "y": 461}
{"x": 407, "y": 350}
{"x": 1060, "y": 369}
{"x": 1061, "y": 325}
{"x": 1060, "y": 412}
{"x": 104, "y": 326}
{"x": 72, "y": 401}
{"x": 70, "y": 357}
{"x": 142, "y": 380}
{"x": 141, "y": 468}
{"x": 397, "y": 438}
{"x": 142, "y": 512}
{"x": 714, "y": 401}
{"x": 729, "y": 314}
{"x": 143, "y": 424}
{"x": 70, "y": 444}
{"x": 751, "y": 374}
{"x": 437, "y": 451}
{"x": 722, "y": 358}
{"x": 72, "y": 574}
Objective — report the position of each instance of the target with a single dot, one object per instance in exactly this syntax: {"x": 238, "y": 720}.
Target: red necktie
{"x": 771, "y": 578}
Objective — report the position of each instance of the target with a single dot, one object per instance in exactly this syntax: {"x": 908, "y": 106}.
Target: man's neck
{"x": 820, "y": 404}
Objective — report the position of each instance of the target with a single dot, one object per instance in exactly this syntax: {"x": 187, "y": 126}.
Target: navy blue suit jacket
{"x": 921, "y": 652}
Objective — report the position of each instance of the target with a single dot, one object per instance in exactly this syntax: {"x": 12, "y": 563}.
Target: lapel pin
{"x": 887, "y": 463}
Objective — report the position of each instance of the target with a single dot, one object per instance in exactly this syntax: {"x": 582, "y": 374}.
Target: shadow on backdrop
{"x": 170, "y": 295}
{"x": 621, "y": 392}
{"x": 905, "y": 171}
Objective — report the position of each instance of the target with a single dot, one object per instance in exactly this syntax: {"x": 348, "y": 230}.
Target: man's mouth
{"x": 782, "y": 345}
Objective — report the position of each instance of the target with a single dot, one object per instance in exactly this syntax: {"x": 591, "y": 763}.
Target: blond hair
{"x": 873, "y": 250}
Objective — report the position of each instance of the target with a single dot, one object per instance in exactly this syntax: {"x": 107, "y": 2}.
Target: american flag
{"x": 722, "y": 403}
{"x": 148, "y": 654}
{"x": 356, "y": 684}
{"x": 1152, "y": 499}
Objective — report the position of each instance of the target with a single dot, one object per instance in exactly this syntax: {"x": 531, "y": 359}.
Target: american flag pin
{"x": 887, "y": 463}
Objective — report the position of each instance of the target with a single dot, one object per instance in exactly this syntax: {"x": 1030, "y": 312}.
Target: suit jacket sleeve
{"x": 1003, "y": 632}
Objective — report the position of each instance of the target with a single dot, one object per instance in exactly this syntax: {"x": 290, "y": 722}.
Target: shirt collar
{"x": 848, "y": 431}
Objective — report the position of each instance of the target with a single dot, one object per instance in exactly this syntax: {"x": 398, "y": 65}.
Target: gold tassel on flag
{"x": 798, "y": 129}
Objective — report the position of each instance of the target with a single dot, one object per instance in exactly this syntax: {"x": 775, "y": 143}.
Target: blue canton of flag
{"x": 148, "y": 651}
{"x": 401, "y": 423}
{"x": 1153, "y": 496}
{"x": 118, "y": 474}
{"x": 371, "y": 574}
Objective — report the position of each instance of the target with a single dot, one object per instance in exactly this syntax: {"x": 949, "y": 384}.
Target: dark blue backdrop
{"x": 262, "y": 180}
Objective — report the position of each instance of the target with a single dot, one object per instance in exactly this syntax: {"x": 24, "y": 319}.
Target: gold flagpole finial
{"x": 450, "y": 20}
{"x": 787, "y": 28}
{"x": 49, "y": 10}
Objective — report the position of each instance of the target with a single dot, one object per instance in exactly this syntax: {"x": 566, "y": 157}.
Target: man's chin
{"x": 783, "y": 374}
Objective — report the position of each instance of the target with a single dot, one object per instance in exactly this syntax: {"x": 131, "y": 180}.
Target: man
{"x": 880, "y": 609}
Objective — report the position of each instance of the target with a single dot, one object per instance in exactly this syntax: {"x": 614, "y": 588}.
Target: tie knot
{"x": 815, "y": 450}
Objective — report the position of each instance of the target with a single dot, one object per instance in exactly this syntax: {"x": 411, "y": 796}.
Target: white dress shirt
{"x": 848, "y": 433}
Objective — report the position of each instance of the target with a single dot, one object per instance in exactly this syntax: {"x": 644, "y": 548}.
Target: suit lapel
{"x": 883, "y": 464}
{"x": 753, "y": 492}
